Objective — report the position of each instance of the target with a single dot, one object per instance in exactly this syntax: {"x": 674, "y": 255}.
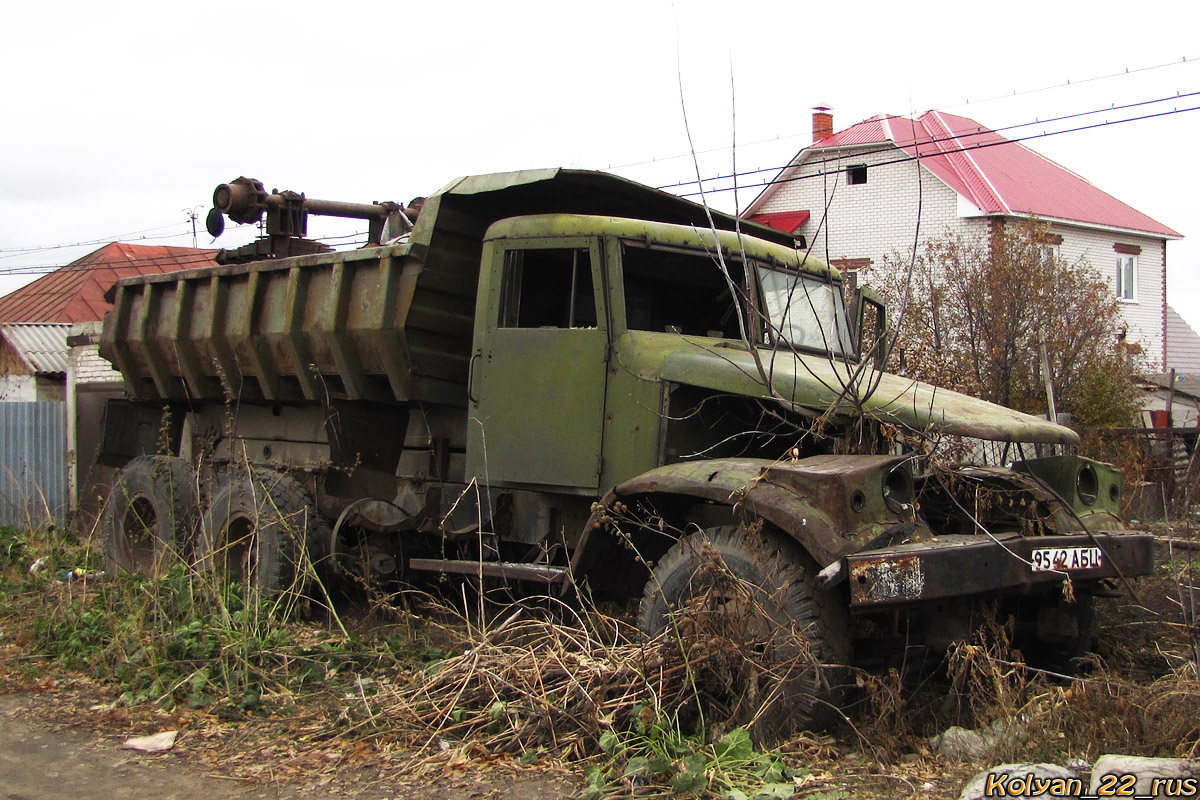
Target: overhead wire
{"x": 979, "y": 132}
{"x": 6, "y": 253}
{"x": 42, "y": 269}
{"x": 131, "y": 237}
{"x": 13, "y": 252}
{"x": 1126, "y": 72}
{"x": 916, "y": 145}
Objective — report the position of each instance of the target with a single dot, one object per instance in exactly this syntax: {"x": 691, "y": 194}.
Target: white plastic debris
{"x": 156, "y": 743}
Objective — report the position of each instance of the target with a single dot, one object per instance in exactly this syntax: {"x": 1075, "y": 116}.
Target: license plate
{"x": 1066, "y": 559}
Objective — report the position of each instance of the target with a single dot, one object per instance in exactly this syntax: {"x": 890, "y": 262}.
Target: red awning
{"x": 786, "y": 221}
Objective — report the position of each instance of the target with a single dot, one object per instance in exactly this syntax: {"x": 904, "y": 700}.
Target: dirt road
{"x": 43, "y": 760}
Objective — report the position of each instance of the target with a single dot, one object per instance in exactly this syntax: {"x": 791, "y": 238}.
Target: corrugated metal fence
{"x": 33, "y": 463}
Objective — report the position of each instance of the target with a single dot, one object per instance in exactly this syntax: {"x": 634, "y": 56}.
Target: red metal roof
{"x": 786, "y": 221}
{"x": 997, "y": 175}
{"x": 75, "y": 293}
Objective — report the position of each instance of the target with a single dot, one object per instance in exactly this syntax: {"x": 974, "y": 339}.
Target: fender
{"x": 831, "y": 505}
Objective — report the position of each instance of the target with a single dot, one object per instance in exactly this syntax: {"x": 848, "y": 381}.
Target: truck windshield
{"x": 806, "y": 312}
{"x": 675, "y": 290}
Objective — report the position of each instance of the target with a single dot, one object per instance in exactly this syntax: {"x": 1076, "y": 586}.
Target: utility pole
{"x": 1053, "y": 413}
{"x": 192, "y": 214}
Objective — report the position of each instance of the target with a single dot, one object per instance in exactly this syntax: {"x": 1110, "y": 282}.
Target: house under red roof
{"x": 997, "y": 175}
{"x": 75, "y": 293}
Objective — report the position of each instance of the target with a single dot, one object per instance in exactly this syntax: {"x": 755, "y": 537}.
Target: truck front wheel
{"x": 256, "y": 529}
{"x": 150, "y": 517}
{"x": 769, "y": 645}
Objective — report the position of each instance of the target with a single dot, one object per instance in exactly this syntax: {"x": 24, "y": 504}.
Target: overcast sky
{"x": 123, "y": 116}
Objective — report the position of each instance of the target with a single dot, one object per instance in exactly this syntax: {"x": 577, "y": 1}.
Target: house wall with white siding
{"x": 869, "y": 220}
{"x": 1143, "y": 316}
{"x": 866, "y": 222}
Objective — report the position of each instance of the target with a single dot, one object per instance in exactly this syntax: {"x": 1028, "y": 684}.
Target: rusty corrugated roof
{"x": 997, "y": 175}
{"x": 42, "y": 347}
{"x": 75, "y": 293}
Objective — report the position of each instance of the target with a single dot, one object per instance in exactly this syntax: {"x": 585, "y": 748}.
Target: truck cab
{"x": 598, "y": 342}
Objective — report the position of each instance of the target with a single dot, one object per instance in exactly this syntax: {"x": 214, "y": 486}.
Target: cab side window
{"x": 547, "y": 288}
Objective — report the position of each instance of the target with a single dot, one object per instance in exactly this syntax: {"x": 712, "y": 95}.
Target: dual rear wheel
{"x": 151, "y": 517}
{"x": 256, "y": 527}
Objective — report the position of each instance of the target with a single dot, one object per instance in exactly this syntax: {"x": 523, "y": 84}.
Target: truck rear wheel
{"x": 256, "y": 529}
{"x": 150, "y": 518}
{"x": 748, "y": 596}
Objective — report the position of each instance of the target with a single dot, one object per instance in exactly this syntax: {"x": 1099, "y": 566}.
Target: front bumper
{"x": 955, "y": 566}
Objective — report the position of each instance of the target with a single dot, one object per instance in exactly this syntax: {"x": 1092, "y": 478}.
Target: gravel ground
{"x": 44, "y": 758}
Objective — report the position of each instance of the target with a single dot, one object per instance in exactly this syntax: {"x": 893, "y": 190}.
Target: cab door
{"x": 539, "y": 367}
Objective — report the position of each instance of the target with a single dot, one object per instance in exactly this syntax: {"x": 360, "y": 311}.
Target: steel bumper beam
{"x": 954, "y": 566}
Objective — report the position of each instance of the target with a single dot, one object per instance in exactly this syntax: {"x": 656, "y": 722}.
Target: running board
{"x": 541, "y": 573}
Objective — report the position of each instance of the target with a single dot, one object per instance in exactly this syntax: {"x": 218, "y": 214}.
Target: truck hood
{"x": 818, "y": 383}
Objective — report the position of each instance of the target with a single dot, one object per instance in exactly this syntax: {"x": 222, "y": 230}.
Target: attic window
{"x": 856, "y": 175}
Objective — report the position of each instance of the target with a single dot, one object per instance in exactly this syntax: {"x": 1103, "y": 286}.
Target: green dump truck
{"x": 566, "y": 379}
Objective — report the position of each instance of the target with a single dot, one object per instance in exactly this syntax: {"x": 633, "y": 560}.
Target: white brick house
{"x": 866, "y": 188}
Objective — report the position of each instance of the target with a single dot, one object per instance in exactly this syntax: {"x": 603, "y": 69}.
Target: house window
{"x": 856, "y": 175}
{"x": 1127, "y": 277}
{"x": 1050, "y": 254}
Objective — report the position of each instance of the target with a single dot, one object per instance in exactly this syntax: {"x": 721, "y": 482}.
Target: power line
{"x": 1015, "y": 93}
{"x": 917, "y": 145}
{"x": 720, "y": 149}
{"x": 199, "y": 259}
{"x": 957, "y": 137}
{"x": 125, "y": 240}
{"x": 6, "y": 253}
{"x": 39, "y": 269}
{"x": 130, "y": 237}
{"x": 18, "y": 251}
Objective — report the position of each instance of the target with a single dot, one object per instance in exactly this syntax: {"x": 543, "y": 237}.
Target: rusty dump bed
{"x": 329, "y": 325}
{"x": 389, "y": 324}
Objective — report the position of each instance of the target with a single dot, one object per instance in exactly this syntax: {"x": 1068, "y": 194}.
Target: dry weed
{"x": 542, "y": 683}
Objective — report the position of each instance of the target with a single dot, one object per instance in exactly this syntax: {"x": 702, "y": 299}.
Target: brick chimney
{"x": 822, "y": 121}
